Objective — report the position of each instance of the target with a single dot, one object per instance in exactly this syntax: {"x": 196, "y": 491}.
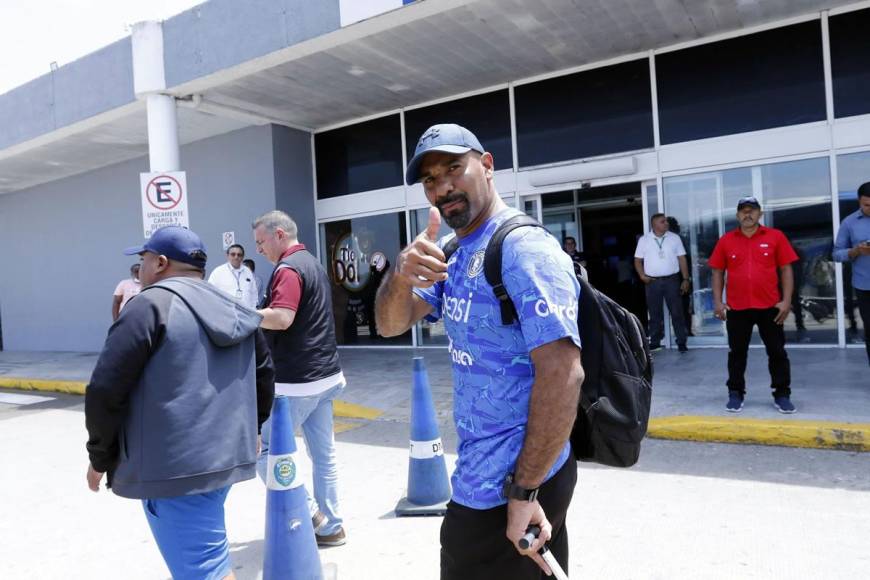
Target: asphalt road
{"x": 687, "y": 510}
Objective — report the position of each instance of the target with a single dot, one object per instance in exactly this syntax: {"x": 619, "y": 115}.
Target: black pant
{"x": 474, "y": 545}
{"x": 739, "y": 324}
{"x": 667, "y": 289}
{"x": 864, "y": 309}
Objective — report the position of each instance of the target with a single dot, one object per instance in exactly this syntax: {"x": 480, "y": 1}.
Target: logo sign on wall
{"x": 350, "y": 263}
{"x": 164, "y": 200}
{"x": 229, "y": 238}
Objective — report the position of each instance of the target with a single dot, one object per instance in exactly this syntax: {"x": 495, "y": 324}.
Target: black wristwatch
{"x": 514, "y": 491}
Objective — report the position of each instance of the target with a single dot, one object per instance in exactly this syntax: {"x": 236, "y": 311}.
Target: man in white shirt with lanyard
{"x": 660, "y": 261}
{"x": 236, "y": 279}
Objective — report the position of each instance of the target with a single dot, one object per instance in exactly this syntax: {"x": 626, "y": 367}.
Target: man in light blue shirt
{"x": 516, "y": 386}
{"x": 853, "y": 245}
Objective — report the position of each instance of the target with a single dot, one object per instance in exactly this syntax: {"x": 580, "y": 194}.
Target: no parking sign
{"x": 164, "y": 200}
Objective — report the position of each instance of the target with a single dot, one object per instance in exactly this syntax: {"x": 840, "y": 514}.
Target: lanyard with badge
{"x": 238, "y": 281}
{"x": 660, "y": 244}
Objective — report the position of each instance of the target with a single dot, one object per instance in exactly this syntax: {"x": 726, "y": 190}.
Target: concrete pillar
{"x": 163, "y": 151}
{"x": 149, "y": 84}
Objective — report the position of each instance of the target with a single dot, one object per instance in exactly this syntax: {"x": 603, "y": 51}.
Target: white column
{"x": 149, "y": 84}
{"x": 163, "y": 153}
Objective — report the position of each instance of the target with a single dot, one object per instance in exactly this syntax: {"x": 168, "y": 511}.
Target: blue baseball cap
{"x": 176, "y": 243}
{"x": 446, "y": 138}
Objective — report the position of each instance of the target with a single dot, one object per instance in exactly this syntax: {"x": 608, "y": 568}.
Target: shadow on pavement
{"x": 247, "y": 559}
{"x": 824, "y": 468}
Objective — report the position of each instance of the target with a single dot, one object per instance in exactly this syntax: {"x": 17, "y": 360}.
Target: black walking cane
{"x": 527, "y": 540}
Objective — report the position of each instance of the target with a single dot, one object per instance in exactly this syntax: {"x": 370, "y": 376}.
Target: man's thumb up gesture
{"x": 434, "y": 225}
{"x": 422, "y": 263}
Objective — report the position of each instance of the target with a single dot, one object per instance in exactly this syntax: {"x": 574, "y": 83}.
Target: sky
{"x": 35, "y": 33}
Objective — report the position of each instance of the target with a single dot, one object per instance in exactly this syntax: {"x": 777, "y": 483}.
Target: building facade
{"x": 597, "y": 118}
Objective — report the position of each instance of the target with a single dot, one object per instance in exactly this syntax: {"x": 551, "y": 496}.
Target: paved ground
{"x": 686, "y": 511}
{"x": 828, "y": 384}
{"x": 831, "y": 390}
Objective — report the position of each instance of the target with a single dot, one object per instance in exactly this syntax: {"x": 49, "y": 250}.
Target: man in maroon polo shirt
{"x": 300, "y": 330}
{"x": 758, "y": 260}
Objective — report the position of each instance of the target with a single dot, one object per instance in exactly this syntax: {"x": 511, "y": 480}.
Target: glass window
{"x": 487, "y": 116}
{"x": 796, "y": 197}
{"x": 560, "y": 217}
{"x": 770, "y": 79}
{"x": 530, "y": 207}
{"x": 852, "y": 171}
{"x": 652, "y": 204}
{"x": 359, "y": 157}
{"x": 850, "y": 55}
{"x": 590, "y": 113}
{"x": 430, "y": 333}
{"x": 358, "y": 254}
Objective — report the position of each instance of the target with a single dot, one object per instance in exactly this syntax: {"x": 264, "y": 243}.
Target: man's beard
{"x": 459, "y": 219}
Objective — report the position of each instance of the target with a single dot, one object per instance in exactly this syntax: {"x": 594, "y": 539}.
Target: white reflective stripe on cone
{"x": 426, "y": 449}
{"x": 284, "y": 472}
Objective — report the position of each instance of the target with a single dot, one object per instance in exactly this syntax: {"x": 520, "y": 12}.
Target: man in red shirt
{"x": 758, "y": 259}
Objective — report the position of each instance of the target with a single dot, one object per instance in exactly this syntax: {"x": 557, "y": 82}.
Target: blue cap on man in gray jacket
{"x": 176, "y": 243}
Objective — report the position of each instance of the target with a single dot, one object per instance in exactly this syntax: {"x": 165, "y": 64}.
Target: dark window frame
{"x": 335, "y": 149}
{"x": 850, "y": 80}
{"x": 494, "y": 132}
{"x": 619, "y": 113}
{"x": 770, "y": 95}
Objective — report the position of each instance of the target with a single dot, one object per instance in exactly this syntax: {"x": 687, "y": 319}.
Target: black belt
{"x": 664, "y": 277}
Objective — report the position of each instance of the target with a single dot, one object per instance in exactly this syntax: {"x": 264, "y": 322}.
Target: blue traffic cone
{"x": 428, "y": 485}
{"x": 291, "y": 551}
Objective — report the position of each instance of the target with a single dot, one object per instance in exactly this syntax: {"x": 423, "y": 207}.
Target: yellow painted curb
{"x": 340, "y": 408}
{"x": 71, "y": 387}
{"x": 353, "y": 411}
{"x": 342, "y": 426}
{"x": 788, "y": 433}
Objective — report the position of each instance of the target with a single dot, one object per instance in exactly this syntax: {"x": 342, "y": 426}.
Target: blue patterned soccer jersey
{"x": 492, "y": 368}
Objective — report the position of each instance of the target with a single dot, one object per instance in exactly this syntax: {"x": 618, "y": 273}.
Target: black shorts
{"x": 474, "y": 545}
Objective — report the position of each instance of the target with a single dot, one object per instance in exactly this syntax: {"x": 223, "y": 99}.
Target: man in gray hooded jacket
{"x": 175, "y": 403}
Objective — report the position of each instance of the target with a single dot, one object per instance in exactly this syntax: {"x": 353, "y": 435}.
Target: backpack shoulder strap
{"x": 450, "y": 246}
{"x": 492, "y": 263}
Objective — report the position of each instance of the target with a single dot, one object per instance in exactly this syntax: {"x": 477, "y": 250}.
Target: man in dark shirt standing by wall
{"x": 753, "y": 254}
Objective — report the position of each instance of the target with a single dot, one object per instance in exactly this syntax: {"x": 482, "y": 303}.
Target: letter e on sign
{"x": 164, "y": 200}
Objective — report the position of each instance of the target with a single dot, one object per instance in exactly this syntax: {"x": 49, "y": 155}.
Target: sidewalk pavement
{"x": 830, "y": 387}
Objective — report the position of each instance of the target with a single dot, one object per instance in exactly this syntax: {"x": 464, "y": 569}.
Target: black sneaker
{"x": 784, "y": 405}
{"x": 655, "y": 347}
{"x": 683, "y": 348}
{"x": 735, "y": 403}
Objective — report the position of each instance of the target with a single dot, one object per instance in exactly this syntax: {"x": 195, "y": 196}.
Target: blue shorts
{"x": 191, "y": 534}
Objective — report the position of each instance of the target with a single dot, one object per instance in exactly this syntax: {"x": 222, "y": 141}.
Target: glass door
{"x": 531, "y": 206}
{"x": 559, "y": 214}
{"x": 695, "y": 209}
{"x": 796, "y": 197}
{"x": 650, "y": 202}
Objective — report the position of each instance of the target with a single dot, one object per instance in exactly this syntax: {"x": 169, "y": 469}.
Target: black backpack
{"x": 614, "y": 404}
